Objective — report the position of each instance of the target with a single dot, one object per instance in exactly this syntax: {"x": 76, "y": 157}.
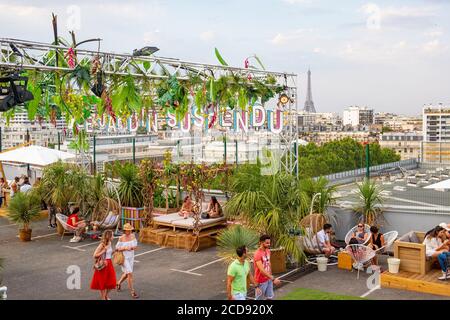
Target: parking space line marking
{"x": 188, "y": 272}
{"x": 8, "y": 225}
{"x": 85, "y": 245}
{"x": 370, "y": 291}
{"x": 74, "y": 248}
{"x": 207, "y": 264}
{"x": 43, "y": 236}
{"x": 154, "y": 250}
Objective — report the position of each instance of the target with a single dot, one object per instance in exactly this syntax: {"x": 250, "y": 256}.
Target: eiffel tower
{"x": 309, "y": 104}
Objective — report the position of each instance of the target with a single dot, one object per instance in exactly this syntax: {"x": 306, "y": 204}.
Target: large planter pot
{"x": 25, "y": 235}
{"x": 278, "y": 260}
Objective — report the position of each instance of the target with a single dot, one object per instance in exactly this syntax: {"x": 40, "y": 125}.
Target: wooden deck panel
{"x": 427, "y": 283}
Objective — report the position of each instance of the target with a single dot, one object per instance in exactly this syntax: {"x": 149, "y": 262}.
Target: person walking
{"x": 238, "y": 275}
{"x": 51, "y": 216}
{"x": 263, "y": 270}
{"x": 127, "y": 244}
{"x": 104, "y": 279}
{"x": 3, "y": 185}
{"x": 14, "y": 186}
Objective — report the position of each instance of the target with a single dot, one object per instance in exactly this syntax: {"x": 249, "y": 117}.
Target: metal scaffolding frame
{"x": 29, "y": 55}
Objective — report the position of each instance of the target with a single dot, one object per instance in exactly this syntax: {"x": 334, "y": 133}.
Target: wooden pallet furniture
{"x": 412, "y": 253}
{"x": 413, "y": 281}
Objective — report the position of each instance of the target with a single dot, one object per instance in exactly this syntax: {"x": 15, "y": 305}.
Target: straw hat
{"x": 127, "y": 227}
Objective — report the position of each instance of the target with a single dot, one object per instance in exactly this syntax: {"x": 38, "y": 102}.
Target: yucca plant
{"x": 310, "y": 187}
{"x": 234, "y": 237}
{"x": 370, "y": 202}
{"x": 130, "y": 186}
{"x": 22, "y": 209}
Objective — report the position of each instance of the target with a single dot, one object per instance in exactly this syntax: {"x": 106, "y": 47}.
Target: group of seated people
{"x": 437, "y": 245}
{"x": 214, "y": 209}
{"x": 359, "y": 236}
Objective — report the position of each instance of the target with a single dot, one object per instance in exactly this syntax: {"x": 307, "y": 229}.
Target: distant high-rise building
{"x": 309, "y": 104}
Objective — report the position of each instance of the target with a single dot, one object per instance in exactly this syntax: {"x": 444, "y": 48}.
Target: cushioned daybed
{"x": 167, "y": 219}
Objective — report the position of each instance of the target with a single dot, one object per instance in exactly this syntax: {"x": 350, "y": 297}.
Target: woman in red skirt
{"x": 104, "y": 279}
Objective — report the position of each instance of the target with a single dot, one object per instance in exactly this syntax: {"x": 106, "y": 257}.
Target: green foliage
{"x": 126, "y": 97}
{"x": 312, "y": 294}
{"x": 232, "y": 238}
{"x": 267, "y": 204}
{"x": 309, "y": 187}
{"x": 219, "y": 57}
{"x": 338, "y": 156}
{"x": 23, "y": 208}
{"x": 130, "y": 186}
{"x": 370, "y": 202}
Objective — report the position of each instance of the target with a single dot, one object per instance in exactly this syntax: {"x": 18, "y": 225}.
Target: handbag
{"x": 100, "y": 262}
{"x": 118, "y": 258}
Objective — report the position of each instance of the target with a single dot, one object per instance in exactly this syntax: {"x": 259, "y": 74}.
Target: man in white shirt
{"x": 26, "y": 185}
{"x": 323, "y": 240}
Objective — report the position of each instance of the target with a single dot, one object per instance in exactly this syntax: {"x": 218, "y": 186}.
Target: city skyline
{"x": 390, "y": 56}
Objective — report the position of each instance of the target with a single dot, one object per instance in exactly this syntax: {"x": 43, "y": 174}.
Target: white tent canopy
{"x": 35, "y": 155}
{"x": 445, "y": 184}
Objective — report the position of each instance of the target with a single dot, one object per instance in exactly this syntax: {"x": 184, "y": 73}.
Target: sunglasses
{"x": 360, "y": 226}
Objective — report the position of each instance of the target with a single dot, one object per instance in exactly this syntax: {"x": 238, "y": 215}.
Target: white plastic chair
{"x": 349, "y": 234}
{"x": 389, "y": 238}
{"x": 62, "y": 219}
{"x": 361, "y": 254}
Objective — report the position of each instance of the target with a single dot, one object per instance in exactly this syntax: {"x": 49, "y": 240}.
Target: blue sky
{"x": 389, "y": 55}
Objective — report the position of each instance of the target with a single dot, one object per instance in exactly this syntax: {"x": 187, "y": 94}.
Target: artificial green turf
{"x": 311, "y": 294}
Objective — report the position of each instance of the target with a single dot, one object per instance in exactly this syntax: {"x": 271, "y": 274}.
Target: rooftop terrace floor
{"x": 37, "y": 270}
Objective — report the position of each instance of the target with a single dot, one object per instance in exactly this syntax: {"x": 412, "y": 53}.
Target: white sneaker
{"x": 78, "y": 239}
{"x": 444, "y": 276}
{"x": 74, "y": 239}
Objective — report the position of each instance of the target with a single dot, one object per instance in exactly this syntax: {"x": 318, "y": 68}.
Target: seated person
{"x": 438, "y": 249}
{"x": 214, "y": 209}
{"x": 446, "y": 229}
{"x": 360, "y": 234}
{"x": 355, "y": 252}
{"x": 75, "y": 222}
{"x": 322, "y": 238}
{"x": 376, "y": 241}
{"x": 110, "y": 219}
{"x": 186, "y": 208}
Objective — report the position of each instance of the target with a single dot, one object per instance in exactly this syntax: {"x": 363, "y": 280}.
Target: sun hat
{"x": 127, "y": 227}
{"x": 444, "y": 225}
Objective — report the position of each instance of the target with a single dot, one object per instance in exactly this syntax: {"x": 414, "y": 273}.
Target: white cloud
{"x": 288, "y": 37}
{"x": 297, "y": 1}
{"x": 207, "y": 35}
{"x": 318, "y": 50}
{"x": 151, "y": 37}
{"x": 433, "y": 46}
{"x": 434, "y": 33}
{"x": 22, "y": 10}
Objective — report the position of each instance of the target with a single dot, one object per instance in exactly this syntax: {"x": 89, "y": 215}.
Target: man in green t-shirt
{"x": 238, "y": 276}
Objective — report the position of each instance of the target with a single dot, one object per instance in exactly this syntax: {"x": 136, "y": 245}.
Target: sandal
{"x": 134, "y": 294}
{"x": 118, "y": 287}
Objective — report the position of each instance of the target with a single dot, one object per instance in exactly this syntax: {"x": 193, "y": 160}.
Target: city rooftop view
{"x": 144, "y": 160}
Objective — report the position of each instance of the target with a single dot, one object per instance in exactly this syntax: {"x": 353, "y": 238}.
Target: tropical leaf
{"x": 259, "y": 62}
{"x": 232, "y": 238}
{"x": 219, "y": 57}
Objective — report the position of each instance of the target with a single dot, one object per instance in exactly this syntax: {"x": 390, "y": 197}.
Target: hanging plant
{"x": 173, "y": 97}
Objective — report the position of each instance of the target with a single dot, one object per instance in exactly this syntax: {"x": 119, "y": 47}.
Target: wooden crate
{"x": 153, "y": 236}
{"x": 180, "y": 240}
{"x": 171, "y": 239}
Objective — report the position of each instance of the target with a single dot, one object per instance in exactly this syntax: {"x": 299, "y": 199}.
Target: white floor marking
{"x": 8, "y": 225}
{"x": 206, "y": 264}
{"x": 416, "y": 202}
{"x": 370, "y": 291}
{"x": 188, "y": 272}
{"x": 74, "y": 248}
{"x": 43, "y": 236}
{"x": 154, "y": 250}
{"x": 87, "y": 244}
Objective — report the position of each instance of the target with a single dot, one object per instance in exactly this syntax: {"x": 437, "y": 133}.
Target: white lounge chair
{"x": 389, "y": 238}
{"x": 62, "y": 219}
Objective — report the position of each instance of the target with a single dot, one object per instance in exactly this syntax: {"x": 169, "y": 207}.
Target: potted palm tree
{"x": 22, "y": 209}
{"x": 370, "y": 201}
{"x": 268, "y": 204}
{"x": 131, "y": 193}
